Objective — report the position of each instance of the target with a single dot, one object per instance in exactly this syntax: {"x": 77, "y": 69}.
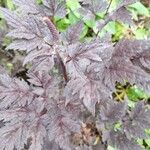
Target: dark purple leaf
{"x": 27, "y": 6}
{"x": 95, "y": 6}
{"x": 120, "y": 67}
{"x": 121, "y": 15}
{"x": 79, "y": 56}
{"x": 113, "y": 112}
{"x": 41, "y": 59}
{"x": 138, "y": 121}
{"x": 62, "y": 124}
{"x": 14, "y": 92}
{"x": 128, "y": 48}
{"x": 55, "y": 8}
{"x": 30, "y": 32}
{"x": 89, "y": 91}
{"x": 72, "y": 34}
{"x": 119, "y": 141}
{"x": 126, "y": 2}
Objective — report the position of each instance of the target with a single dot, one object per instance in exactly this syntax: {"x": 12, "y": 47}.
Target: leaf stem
{"x": 55, "y": 35}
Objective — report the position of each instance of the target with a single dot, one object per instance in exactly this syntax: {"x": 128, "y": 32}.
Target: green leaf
{"x": 148, "y": 131}
{"x": 110, "y": 148}
{"x": 73, "y": 18}
{"x": 117, "y": 126}
{"x": 84, "y": 32}
{"x": 136, "y": 94}
{"x": 131, "y": 104}
{"x": 90, "y": 23}
{"x": 140, "y": 8}
{"x": 111, "y": 27}
{"x": 140, "y": 33}
{"x": 140, "y": 141}
{"x": 114, "y": 28}
{"x": 39, "y": 1}
{"x": 9, "y": 4}
{"x": 113, "y": 5}
{"x": 100, "y": 15}
{"x": 62, "y": 24}
{"x": 73, "y": 4}
{"x": 147, "y": 142}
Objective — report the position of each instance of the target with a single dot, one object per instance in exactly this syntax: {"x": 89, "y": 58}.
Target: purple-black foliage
{"x": 70, "y": 81}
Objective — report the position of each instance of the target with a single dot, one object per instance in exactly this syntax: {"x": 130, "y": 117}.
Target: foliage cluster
{"x": 65, "y": 101}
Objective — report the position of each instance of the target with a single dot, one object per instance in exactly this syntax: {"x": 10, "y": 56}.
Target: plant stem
{"x": 55, "y": 35}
